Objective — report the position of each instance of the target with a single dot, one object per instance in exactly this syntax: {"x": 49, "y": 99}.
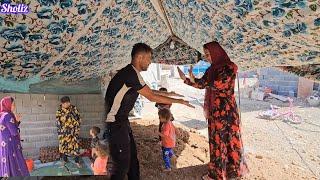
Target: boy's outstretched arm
{"x": 153, "y": 97}
{"x": 164, "y": 93}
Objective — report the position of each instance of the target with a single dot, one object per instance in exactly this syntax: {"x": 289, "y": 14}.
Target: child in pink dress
{"x": 99, "y": 167}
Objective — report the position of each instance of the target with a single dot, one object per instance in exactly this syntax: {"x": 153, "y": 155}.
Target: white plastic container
{"x": 313, "y": 101}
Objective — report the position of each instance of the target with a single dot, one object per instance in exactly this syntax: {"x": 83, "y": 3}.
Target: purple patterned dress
{"x": 12, "y": 162}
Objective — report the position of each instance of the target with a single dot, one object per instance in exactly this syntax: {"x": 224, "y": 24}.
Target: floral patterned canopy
{"x": 82, "y": 39}
{"x": 175, "y": 51}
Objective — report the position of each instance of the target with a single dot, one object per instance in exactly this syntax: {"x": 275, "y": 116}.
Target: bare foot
{"x": 78, "y": 165}
{"x": 63, "y": 163}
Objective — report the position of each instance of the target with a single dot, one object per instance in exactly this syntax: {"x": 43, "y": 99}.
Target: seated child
{"x": 168, "y": 138}
{"x": 99, "y": 167}
{"x": 94, "y": 132}
{"x": 161, "y": 106}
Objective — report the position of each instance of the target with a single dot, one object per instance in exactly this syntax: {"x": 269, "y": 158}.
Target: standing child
{"x": 68, "y": 126}
{"x": 168, "y": 137}
{"x": 94, "y": 132}
{"x": 99, "y": 167}
{"x": 162, "y": 106}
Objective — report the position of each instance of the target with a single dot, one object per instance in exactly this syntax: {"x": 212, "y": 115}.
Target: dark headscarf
{"x": 219, "y": 58}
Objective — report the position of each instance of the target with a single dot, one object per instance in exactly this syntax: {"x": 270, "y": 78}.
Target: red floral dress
{"x": 226, "y": 148}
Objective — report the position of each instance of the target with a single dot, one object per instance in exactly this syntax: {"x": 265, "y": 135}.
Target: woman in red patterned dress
{"x": 220, "y": 109}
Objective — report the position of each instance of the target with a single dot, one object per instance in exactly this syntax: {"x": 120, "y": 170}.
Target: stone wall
{"x": 280, "y": 82}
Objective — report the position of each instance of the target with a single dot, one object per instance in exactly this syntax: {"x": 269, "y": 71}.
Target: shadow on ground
{"x": 194, "y": 123}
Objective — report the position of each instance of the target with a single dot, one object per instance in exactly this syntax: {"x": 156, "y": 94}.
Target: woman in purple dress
{"x": 12, "y": 162}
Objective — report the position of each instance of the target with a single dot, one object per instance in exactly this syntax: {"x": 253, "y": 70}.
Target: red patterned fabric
{"x": 225, "y": 144}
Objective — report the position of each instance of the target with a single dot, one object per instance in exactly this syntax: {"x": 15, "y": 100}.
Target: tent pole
{"x": 157, "y": 4}
{"x": 239, "y": 96}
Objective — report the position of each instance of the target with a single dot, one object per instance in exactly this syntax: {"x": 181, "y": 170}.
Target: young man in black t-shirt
{"x": 122, "y": 92}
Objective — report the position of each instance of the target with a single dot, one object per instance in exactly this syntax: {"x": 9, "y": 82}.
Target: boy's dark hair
{"x": 163, "y": 89}
{"x": 65, "y": 99}
{"x": 140, "y": 47}
{"x": 95, "y": 130}
{"x": 165, "y": 113}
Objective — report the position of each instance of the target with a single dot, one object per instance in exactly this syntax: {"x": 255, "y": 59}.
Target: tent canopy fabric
{"x": 308, "y": 71}
{"x": 176, "y": 52}
{"x": 83, "y": 39}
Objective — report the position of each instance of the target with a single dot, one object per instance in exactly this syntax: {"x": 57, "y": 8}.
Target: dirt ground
{"x": 273, "y": 149}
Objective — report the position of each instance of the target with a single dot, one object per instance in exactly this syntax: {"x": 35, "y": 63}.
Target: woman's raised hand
{"x": 18, "y": 117}
{"x": 192, "y": 78}
{"x": 181, "y": 74}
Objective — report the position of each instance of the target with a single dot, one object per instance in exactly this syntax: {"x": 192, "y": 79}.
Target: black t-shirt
{"x": 122, "y": 93}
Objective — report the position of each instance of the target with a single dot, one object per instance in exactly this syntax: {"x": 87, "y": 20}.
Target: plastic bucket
{"x": 30, "y": 164}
